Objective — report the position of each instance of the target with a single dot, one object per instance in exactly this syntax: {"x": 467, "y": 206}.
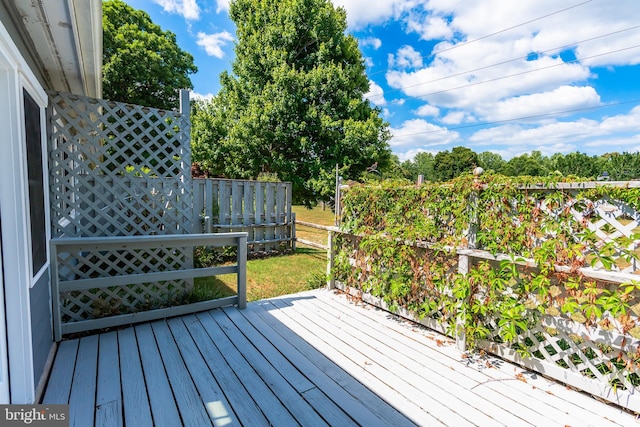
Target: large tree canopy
{"x": 142, "y": 64}
{"x": 448, "y": 165}
{"x": 293, "y": 104}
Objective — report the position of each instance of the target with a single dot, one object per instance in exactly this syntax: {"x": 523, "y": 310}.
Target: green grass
{"x": 278, "y": 275}
{"x": 315, "y": 216}
{"x": 271, "y": 277}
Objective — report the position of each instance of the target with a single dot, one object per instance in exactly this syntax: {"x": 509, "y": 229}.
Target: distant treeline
{"x": 446, "y": 165}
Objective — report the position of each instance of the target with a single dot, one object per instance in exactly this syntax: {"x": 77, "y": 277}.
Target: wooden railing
{"x": 131, "y": 272}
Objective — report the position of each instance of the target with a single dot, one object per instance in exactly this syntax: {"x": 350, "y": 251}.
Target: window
{"x": 33, "y": 135}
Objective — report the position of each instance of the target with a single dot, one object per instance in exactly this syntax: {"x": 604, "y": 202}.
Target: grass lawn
{"x": 270, "y": 277}
{"x": 279, "y": 275}
{"x": 315, "y": 216}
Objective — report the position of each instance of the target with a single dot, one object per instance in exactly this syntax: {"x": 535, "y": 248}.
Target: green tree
{"x": 622, "y": 167}
{"x": 293, "y": 104}
{"x": 422, "y": 164}
{"x": 449, "y": 165}
{"x": 578, "y": 164}
{"x": 142, "y": 64}
{"x": 207, "y": 124}
{"x": 491, "y": 161}
{"x": 533, "y": 164}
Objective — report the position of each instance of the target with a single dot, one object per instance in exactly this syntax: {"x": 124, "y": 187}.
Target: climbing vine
{"x": 403, "y": 244}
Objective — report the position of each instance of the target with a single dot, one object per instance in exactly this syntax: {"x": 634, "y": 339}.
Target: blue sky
{"x": 505, "y": 76}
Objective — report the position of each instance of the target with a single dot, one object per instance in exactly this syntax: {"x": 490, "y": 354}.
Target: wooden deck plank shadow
{"x": 308, "y": 359}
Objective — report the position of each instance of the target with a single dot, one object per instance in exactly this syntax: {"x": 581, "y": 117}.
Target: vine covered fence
{"x": 542, "y": 273}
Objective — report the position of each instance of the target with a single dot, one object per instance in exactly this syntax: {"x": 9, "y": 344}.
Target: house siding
{"x": 41, "y": 328}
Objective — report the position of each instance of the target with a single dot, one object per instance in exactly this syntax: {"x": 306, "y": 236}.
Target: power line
{"x": 503, "y": 62}
{"x": 525, "y": 72}
{"x": 497, "y": 32}
{"x": 537, "y": 116}
{"x": 511, "y": 28}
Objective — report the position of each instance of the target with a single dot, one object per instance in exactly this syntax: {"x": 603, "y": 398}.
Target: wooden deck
{"x": 308, "y": 359}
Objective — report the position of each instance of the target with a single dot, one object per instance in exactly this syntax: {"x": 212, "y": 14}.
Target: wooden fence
{"x": 262, "y": 209}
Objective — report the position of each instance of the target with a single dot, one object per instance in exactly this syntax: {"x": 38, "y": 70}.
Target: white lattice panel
{"x": 606, "y": 356}
{"x": 117, "y": 169}
{"x": 601, "y": 225}
{"x": 100, "y": 302}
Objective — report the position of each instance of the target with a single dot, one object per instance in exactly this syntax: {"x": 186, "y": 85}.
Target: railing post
{"x": 55, "y": 293}
{"x": 461, "y": 335}
{"x": 242, "y": 271}
{"x": 331, "y": 281}
{"x": 293, "y": 231}
{"x": 185, "y": 102}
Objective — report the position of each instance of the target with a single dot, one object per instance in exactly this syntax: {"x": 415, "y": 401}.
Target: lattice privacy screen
{"x": 609, "y": 220}
{"x": 603, "y": 355}
{"x": 114, "y": 300}
{"x": 118, "y": 169}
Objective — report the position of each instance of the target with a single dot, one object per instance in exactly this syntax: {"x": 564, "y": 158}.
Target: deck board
{"x": 547, "y": 399}
{"x": 244, "y": 406}
{"x": 135, "y": 401}
{"x": 300, "y": 409}
{"x": 433, "y": 375}
{"x": 62, "y": 373}
{"x": 162, "y": 403}
{"x": 108, "y": 395}
{"x": 82, "y": 399}
{"x": 268, "y": 402}
{"x": 290, "y": 369}
{"x": 433, "y": 385}
{"x": 365, "y": 407}
{"x": 314, "y": 358}
{"x": 216, "y": 403}
{"x": 192, "y": 408}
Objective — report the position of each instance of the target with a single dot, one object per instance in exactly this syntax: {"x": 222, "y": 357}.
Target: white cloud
{"x": 499, "y": 60}
{"x": 374, "y": 42}
{"x": 564, "y": 98}
{"x": 427, "y": 110}
{"x": 189, "y": 9}
{"x": 623, "y": 122}
{"x": 361, "y": 13}
{"x": 445, "y": 84}
{"x": 410, "y": 154}
{"x": 375, "y": 94}
{"x": 418, "y": 133}
{"x": 213, "y": 43}
{"x": 223, "y": 5}
{"x": 457, "y": 117}
{"x": 429, "y": 27}
{"x": 201, "y": 97}
{"x": 562, "y": 137}
{"x": 406, "y": 57}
